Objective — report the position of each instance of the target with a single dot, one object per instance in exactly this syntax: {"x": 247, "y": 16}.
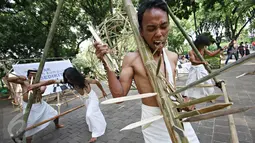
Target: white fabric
{"x": 196, "y": 72}
{"x": 157, "y": 131}
{"x": 94, "y": 117}
{"x": 168, "y": 68}
{"x": 39, "y": 112}
{"x": 183, "y": 68}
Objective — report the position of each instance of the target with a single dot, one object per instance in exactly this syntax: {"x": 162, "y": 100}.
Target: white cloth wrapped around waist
{"x": 157, "y": 131}
{"x": 197, "y": 72}
{"x": 94, "y": 117}
{"x": 39, "y": 112}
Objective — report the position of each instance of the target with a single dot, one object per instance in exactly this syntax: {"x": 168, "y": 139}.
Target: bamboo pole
{"x": 157, "y": 83}
{"x": 203, "y": 110}
{"x": 53, "y": 118}
{"x": 234, "y": 136}
{"x": 218, "y": 114}
{"x": 42, "y": 62}
{"x": 199, "y": 86}
{"x": 58, "y": 104}
{"x": 199, "y": 100}
{"x": 107, "y": 58}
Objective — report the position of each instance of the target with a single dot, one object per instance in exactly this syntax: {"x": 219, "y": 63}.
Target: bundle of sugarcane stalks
{"x": 171, "y": 110}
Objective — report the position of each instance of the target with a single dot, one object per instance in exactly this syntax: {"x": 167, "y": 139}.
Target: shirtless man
{"x": 40, "y": 110}
{"x": 154, "y": 27}
{"x": 197, "y": 69}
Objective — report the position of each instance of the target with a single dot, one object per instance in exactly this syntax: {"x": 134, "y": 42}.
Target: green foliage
{"x": 215, "y": 61}
{"x": 212, "y": 48}
{"x": 181, "y": 8}
{"x": 25, "y": 25}
{"x": 175, "y": 40}
{"x": 232, "y": 16}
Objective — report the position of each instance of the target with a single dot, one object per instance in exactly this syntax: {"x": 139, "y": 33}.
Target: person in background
{"x": 94, "y": 117}
{"x": 231, "y": 51}
{"x": 40, "y": 109}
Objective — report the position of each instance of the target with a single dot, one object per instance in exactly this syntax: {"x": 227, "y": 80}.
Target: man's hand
{"x": 206, "y": 63}
{"x": 104, "y": 94}
{"x": 101, "y": 50}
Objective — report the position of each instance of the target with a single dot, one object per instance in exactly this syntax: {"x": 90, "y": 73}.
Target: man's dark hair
{"x": 73, "y": 77}
{"x": 29, "y": 71}
{"x": 149, "y": 4}
{"x": 201, "y": 41}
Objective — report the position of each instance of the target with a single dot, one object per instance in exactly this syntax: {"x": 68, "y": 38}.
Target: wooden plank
{"x": 217, "y": 114}
{"x": 127, "y": 98}
{"x": 203, "y": 110}
{"x": 199, "y": 100}
{"x": 142, "y": 122}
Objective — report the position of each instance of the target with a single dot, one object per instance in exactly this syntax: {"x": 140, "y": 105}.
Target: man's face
{"x": 155, "y": 27}
{"x": 31, "y": 75}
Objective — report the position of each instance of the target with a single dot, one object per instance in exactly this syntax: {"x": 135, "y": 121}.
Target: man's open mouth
{"x": 159, "y": 44}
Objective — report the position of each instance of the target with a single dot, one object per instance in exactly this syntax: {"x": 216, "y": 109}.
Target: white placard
{"x": 51, "y": 70}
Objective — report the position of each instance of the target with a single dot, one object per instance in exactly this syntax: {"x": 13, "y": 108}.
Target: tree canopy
{"x": 25, "y": 25}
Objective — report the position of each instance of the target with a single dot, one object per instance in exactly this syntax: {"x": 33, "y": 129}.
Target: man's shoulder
{"x": 171, "y": 54}
{"x": 130, "y": 57}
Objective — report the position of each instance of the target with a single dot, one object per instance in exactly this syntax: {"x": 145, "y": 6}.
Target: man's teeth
{"x": 158, "y": 42}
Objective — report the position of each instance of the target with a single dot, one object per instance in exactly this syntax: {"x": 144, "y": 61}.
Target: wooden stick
{"x": 127, "y": 98}
{"x": 199, "y": 86}
{"x": 215, "y": 73}
{"x": 45, "y": 121}
{"x": 42, "y": 62}
{"x": 29, "y": 92}
{"x": 218, "y": 114}
{"x": 58, "y": 105}
{"x": 66, "y": 101}
{"x": 231, "y": 121}
{"x": 142, "y": 122}
{"x": 107, "y": 58}
{"x": 197, "y": 101}
{"x": 203, "y": 110}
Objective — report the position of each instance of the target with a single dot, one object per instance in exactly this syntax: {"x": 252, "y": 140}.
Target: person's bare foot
{"x": 92, "y": 140}
{"x": 59, "y": 126}
{"x": 29, "y": 139}
{"x": 14, "y": 103}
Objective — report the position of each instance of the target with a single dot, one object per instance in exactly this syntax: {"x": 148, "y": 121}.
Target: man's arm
{"x": 41, "y": 83}
{"x": 120, "y": 87}
{"x": 212, "y": 53}
{"x": 16, "y": 79}
{"x": 99, "y": 85}
{"x": 117, "y": 87}
{"x": 194, "y": 60}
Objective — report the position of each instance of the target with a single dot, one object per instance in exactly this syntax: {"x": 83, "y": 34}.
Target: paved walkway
{"x": 117, "y": 116}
